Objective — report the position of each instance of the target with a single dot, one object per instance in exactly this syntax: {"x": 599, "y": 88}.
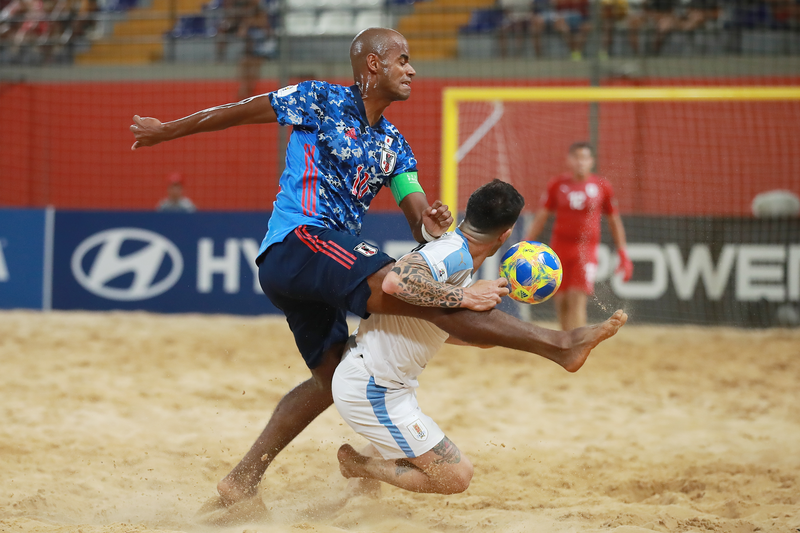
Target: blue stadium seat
{"x": 483, "y": 20}
{"x": 118, "y": 5}
{"x": 192, "y": 26}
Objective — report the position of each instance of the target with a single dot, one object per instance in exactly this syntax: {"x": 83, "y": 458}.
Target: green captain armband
{"x": 404, "y": 184}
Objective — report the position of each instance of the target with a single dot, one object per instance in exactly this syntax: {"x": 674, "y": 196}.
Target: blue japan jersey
{"x": 335, "y": 161}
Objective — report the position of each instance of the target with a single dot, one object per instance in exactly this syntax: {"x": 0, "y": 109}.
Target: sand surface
{"x": 125, "y": 422}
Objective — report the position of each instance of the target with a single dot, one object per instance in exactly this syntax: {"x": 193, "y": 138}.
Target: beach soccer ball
{"x": 533, "y": 271}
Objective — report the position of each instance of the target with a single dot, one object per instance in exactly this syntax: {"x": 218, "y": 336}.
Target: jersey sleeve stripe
{"x": 430, "y": 265}
{"x": 377, "y": 398}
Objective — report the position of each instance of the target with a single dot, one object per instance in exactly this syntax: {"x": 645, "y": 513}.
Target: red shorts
{"x": 579, "y": 269}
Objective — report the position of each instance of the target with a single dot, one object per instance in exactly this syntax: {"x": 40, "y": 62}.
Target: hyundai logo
{"x": 101, "y": 274}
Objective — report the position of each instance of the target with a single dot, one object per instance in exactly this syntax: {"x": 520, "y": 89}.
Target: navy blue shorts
{"x": 315, "y": 275}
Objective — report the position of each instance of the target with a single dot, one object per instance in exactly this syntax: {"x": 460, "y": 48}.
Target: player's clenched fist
{"x": 147, "y": 131}
{"x": 485, "y": 294}
{"x": 437, "y": 219}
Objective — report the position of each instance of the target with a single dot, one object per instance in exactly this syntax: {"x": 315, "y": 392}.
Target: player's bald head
{"x": 376, "y": 41}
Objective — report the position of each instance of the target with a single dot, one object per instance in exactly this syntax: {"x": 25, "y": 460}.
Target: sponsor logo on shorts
{"x": 418, "y": 430}
{"x": 366, "y": 249}
{"x": 101, "y": 265}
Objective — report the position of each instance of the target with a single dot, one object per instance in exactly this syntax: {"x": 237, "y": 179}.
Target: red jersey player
{"x": 578, "y": 199}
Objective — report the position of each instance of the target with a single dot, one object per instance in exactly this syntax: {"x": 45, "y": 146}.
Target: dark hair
{"x": 494, "y": 207}
{"x": 580, "y": 145}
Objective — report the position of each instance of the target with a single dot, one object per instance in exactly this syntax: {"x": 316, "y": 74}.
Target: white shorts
{"x": 389, "y": 418}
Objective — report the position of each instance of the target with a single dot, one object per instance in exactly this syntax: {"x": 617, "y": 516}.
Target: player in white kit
{"x": 374, "y": 386}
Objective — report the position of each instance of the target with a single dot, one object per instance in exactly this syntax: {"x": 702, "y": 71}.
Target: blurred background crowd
{"x": 67, "y": 31}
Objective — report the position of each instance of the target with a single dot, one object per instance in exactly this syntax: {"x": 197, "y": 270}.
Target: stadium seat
{"x": 117, "y": 5}
{"x": 368, "y": 19}
{"x": 483, "y": 20}
{"x": 335, "y": 23}
{"x": 192, "y": 26}
{"x": 300, "y": 23}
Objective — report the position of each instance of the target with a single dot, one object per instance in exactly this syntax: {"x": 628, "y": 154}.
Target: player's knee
{"x": 460, "y": 477}
{"x": 323, "y": 374}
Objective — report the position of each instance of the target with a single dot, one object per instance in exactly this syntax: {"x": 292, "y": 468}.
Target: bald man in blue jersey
{"x": 312, "y": 263}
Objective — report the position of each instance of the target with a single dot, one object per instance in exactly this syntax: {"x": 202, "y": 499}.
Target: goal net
{"x": 688, "y": 166}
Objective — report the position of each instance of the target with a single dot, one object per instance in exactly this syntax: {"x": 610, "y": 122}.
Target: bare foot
{"x": 583, "y": 340}
{"x": 233, "y": 489}
{"x": 351, "y": 463}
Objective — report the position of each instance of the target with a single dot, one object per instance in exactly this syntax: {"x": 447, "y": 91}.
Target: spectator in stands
{"x": 244, "y": 19}
{"x": 85, "y": 23}
{"x": 699, "y": 13}
{"x": 175, "y": 200}
{"x": 569, "y": 17}
{"x": 516, "y": 22}
{"x": 612, "y": 12}
{"x": 26, "y": 21}
{"x": 783, "y": 14}
{"x": 662, "y": 14}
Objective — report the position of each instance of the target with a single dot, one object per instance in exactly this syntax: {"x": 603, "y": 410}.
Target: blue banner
{"x": 175, "y": 262}
{"x": 22, "y": 258}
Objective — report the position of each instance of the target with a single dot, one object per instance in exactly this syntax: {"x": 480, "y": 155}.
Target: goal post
{"x": 690, "y": 168}
{"x": 453, "y": 97}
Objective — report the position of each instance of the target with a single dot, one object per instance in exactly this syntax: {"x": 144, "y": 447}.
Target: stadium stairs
{"x": 138, "y": 39}
{"x": 432, "y": 27}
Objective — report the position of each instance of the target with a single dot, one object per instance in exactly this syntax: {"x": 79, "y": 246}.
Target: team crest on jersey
{"x": 418, "y": 430}
{"x": 388, "y": 161}
{"x": 388, "y": 157}
{"x": 366, "y": 250}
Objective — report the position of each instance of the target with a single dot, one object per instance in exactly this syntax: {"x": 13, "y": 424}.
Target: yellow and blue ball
{"x": 533, "y": 271}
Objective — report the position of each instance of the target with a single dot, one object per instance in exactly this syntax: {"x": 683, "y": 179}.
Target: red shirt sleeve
{"x": 609, "y": 201}
{"x": 549, "y": 200}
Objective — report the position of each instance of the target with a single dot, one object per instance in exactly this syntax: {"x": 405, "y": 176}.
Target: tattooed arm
{"x": 412, "y": 281}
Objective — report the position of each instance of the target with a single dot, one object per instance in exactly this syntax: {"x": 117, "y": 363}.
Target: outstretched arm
{"x": 151, "y": 131}
{"x": 435, "y": 218}
{"x": 412, "y": 282}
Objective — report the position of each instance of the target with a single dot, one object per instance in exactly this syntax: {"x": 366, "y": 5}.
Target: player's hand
{"x": 625, "y": 265}
{"x": 437, "y": 219}
{"x": 147, "y": 131}
{"x": 485, "y": 294}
